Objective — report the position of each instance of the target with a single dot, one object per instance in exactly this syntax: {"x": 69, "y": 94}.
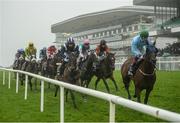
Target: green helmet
{"x": 144, "y": 34}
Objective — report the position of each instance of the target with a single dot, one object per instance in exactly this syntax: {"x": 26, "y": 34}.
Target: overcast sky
{"x": 22, "y": 21}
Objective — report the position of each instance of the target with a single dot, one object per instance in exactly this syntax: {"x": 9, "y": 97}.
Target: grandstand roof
{"x": 164, "y": 3}
{"x": 97, "y": 19}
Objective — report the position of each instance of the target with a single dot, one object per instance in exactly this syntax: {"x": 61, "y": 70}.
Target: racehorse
{"x": 32, "y": 67}
{"x": 49, "y": 67}
{"x": 18, "y": 63}
{"x": 71, "y": 75}
{"x": 105, "y": 70}
{"x": 29, "y": 66}
{"x": 145, "y": 76}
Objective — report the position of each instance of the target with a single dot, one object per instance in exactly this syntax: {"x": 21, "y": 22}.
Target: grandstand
{"x": 168, "y": 12}
{"x": 117, "y": 26}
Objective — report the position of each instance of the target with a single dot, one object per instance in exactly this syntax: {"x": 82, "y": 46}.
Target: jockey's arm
{"x": 26, "y": 52}
{"x": 62, "y": 51}
{"x": 135, "y": 50}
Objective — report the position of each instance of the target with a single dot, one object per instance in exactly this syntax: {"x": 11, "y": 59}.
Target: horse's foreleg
{"x": 126, "y": 84}
{"x": 96, "y": 83}
{"x": 105, "y": 83}
{"x": 73, "y": 99}
{"x": 30, "y": 83}
{"x": 35, "y": 82}
{"x": 88, "y": 81}
{"x": 138, "y": 94}
{"x": 57, "y": 88}
{"x": 147, "y": 95}
{"x": 112, "y": 78}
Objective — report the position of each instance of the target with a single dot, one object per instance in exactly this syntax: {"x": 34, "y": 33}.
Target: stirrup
{"x": 130, "y": 73}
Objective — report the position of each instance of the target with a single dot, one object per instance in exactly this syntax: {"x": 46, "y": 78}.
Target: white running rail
{"x": 112, "y": 99}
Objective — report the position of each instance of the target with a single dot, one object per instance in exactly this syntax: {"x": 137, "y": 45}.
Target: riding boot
{"x": 62, "y": 69}
{"x": 94, "y": 66}
{"x": 131, "y": 70}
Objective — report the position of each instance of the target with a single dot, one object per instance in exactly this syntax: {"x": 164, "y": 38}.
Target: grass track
{"x": 13, "y": 107}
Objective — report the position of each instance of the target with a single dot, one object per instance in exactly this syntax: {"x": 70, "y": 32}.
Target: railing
{"x": 113, "y": 100}
{"x": 163, "y": 63}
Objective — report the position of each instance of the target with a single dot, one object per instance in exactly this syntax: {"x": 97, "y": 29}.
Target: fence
{"x": 113, "y": 100}
{"x": 163, "y": 63}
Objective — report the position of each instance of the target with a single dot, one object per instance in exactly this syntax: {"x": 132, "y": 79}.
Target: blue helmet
{"x": 44, "y": 48}
{"x": 70, "y": 40}
{"x": 20, "y": 50}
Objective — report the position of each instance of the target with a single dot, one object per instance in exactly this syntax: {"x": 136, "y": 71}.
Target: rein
{"x": 146, "y": 74}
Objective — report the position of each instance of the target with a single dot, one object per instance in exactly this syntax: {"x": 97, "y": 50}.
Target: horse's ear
{"x": 114, "y": 53}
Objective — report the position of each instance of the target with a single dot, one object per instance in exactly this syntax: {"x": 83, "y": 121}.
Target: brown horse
{"x": 104, "y": 72}
{"x": 107, "y": 66}
{"x": 71, "y": 75}
{"x": 145, "y": 76}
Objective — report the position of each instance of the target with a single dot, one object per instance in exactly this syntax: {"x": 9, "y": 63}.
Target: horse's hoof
{"x": 134, "y": 96}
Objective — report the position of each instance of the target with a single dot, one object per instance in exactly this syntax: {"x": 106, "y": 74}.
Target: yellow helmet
{"x": 31, "y": 44}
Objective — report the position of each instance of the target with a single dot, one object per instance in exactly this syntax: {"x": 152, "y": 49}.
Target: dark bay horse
{"x": 18, "y": 63}
{"x": 32, "y": 67}
{"x": 71, "y": 75}
{"x": 49, "y": 67}
{"x": 107, "y": 66}
{"x": 104, "y": 72}
{"x": 145, "y": 76}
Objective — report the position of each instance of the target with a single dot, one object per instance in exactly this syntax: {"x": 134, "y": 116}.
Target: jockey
{"x": 20, "y": 53}
{"x": 84, "y": 50}
{"x": 42, "y": 54}
{"x": 29, "y": 52}
{"x": 51, "y": 51}
{"x": 138, "y": 45}
{"x": 69, "y": 46}
{"x": 101, "y": 51}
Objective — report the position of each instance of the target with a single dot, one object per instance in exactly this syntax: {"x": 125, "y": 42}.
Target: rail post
{"x": 9, "y": 83}
{"x": 4, "y": 77}
{"x": 62, "y": 104}
{"x": 111, "y": 112}
{"x": 17, "y": 81}
{"x": 26, "y": 87}
{"x": 42, "y": 96}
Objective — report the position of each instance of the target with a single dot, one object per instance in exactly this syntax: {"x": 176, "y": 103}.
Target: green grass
{"x": 13, "y": 107}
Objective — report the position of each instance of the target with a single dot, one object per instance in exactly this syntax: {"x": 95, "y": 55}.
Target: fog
{"x": 22, "y": 21}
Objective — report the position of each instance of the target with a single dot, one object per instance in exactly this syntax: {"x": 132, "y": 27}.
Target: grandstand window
{"x": 130, "y": 28}
{"x": 119, "y": 30}
{"x": 136, "y": 28}
{"x": 101, "y": 33}
{"x": 124, "y": 29}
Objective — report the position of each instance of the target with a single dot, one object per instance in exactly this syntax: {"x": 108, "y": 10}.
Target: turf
{"x": 13, "y": 107}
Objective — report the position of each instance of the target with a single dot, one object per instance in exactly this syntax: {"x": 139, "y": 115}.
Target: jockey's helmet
{"x": 70, "y": 42}
{"x": 102, "y": 42}
{"x": 86, "y": 42}
{"x": 31, "y": 44}
{"x": 44, "y": 48}
{"x": 144, "y": 34}
{"x": 20, "y": 50}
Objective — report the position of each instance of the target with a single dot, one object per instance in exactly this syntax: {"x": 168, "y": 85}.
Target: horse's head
{"x": 72, "y": 63}
{"x": 151, "y": 53}
{"x": 111, "y": 60}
